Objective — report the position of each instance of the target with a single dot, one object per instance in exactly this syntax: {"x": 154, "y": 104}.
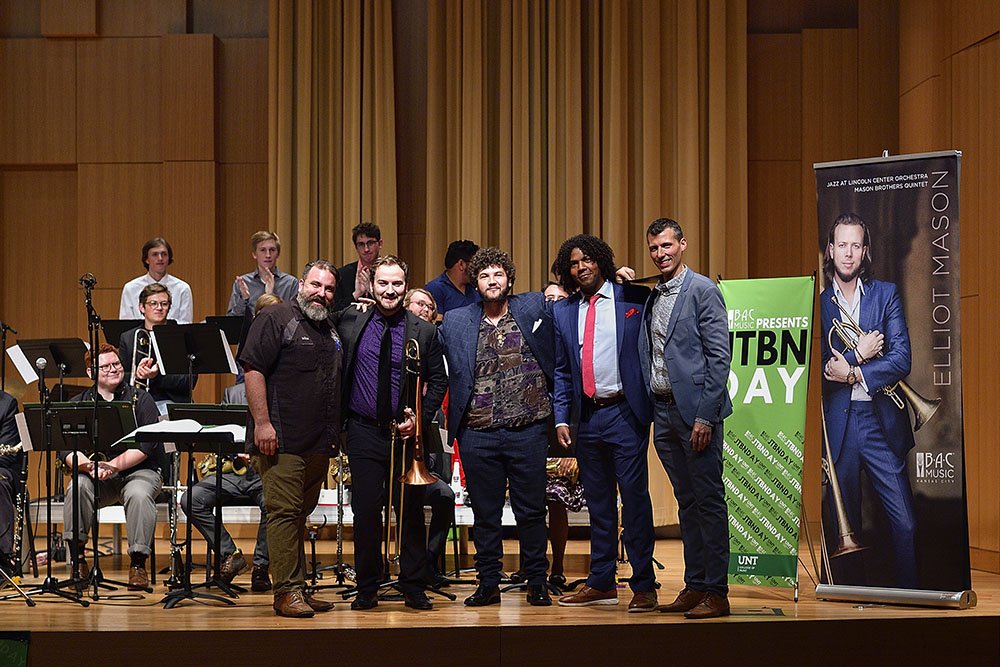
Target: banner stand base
{"x": 904, "y": 596}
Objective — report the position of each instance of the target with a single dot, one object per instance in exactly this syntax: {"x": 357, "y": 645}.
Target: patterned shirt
{"x": 510, "y": 388}
{"x": 663, "y": 306}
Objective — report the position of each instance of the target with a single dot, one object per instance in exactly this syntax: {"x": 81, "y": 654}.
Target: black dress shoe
{"x": 365, "y": 601}
{"x": 538, "y": 595}
{"x": 417, "y": 600}
{"x": 484, "y": 596}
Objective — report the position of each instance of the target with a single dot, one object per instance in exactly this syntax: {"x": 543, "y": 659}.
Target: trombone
{"x": 142, "y": 349}
{"x": 847, "y": 543}
{"x": 849, "y": 331}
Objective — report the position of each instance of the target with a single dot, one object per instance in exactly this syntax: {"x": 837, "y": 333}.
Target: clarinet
{"x": 19, "y": 509}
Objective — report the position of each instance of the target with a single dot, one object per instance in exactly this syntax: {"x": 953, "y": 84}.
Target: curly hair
{"x": 592, "y": 247}
{"x": 487, "y": 257}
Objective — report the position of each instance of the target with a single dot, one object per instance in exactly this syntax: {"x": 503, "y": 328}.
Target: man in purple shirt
{"x": 378, "y": 399}
{"x": 454, "y": 288}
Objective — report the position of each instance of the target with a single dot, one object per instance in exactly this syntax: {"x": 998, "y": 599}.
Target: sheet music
{"x": 238, "y": 432}
{"x": 24, "y": 367}
{"x": 22, "y": 430}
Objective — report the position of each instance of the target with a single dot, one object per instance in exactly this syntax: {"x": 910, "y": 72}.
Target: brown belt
{"x": 667, "y": 399}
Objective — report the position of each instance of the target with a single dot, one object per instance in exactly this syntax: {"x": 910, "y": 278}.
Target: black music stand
{"x": 113, "y": 329}
{"x": 231, "y": 325}
{"x": 208, "y": 442}
{"x": 213, "y": 415}
{"x": 43, "y": 439}
{"x": 84, "y": 426}
{"x": 64, "y": 354}
{"x": 194, "y": 349}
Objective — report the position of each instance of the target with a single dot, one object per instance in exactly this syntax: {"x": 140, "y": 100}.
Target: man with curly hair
{"x": 599, "y": 387}
{"x": 500, "y": 360}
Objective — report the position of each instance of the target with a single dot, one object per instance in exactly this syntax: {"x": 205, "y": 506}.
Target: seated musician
{"x": 10, "y": 472}
{"x": 241, "y": 485}
{"x": 131, "y": 478}
{"x": 154, "y": 304}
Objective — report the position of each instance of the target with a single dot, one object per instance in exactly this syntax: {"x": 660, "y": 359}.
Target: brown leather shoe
{"x": 292, "y": 605}
{"x": 316, "y": 603}
{"x": 712, "y": 606}
{"x": 588, "y": 596}
{"x": 686, "y": 600}
{"x": 642, "y": 601}
{"x": 231, "y": 566}
{"x": 138, "y": 578}
{"x": 82, "y": 569}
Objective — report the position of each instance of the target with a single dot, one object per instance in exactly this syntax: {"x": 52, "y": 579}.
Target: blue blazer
{"x": 630, "y": 303}
{"x": 697, "y": 350}
{"x": 881, "y": 310}
{"x": 459, "y": 334}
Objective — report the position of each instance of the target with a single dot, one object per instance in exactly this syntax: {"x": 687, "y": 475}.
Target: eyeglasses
{"x": 370, "y": 243}
{"x": 158, "y": 304}
{"x": 108, "y": 368}
{"x": 422, "y": 306}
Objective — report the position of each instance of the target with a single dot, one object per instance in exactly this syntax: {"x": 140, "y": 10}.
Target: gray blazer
{"x": 697, "y": 350}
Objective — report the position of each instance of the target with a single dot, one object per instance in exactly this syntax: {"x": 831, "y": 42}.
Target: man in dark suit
{"x": 500, "y": 364}
{"x": 865, "y": 428}
{"x": 686, "y": 357}
{"x": 355, "y": 278}
{"x": 598, "y": 385}
{"x": 377, "y": 395}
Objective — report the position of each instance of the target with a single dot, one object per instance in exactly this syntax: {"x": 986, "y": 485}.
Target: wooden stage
{"x": 766, "y": 627}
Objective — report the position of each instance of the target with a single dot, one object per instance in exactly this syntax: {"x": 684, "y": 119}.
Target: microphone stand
{"x": 96, "y": 580}
{"x": 4, "y": 328}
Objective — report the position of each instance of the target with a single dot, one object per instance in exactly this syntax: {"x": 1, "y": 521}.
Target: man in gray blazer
{"x": 686, "y": 353}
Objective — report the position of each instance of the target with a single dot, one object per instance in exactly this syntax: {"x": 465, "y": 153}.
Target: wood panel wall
{"x": 121, "y": 120}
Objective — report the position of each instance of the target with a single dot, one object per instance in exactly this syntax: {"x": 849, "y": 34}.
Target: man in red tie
{"x": 598, "y": 385}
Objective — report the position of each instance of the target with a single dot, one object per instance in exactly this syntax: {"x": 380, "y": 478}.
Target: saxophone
{"x": 19, "y": 507}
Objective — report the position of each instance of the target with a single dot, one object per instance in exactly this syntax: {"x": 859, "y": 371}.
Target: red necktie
{"x": 587, "y": 359}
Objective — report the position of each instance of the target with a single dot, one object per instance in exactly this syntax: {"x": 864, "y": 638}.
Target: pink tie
{"x": 589, "y": 383}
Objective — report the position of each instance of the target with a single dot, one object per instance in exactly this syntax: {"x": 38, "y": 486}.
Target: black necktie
{"x": 384, "y": 404}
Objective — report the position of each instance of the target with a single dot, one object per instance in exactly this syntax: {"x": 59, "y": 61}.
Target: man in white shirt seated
{"x": 157, "y": 255}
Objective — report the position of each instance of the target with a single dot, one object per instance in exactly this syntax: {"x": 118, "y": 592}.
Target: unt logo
{"x": 747, "y": 561}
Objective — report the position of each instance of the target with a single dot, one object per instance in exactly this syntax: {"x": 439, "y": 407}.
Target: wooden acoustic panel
{"x": 971, "y": 21}
{"x": 189, "y": 222}
{"x": 118, "y": 93}
{"x": 774, "y": 97}
{"x": 69, "y": 18}
{"x": 776, "y": 226}
{"x": 38, "y": 102}
{"x": 188, "y": 99}
{"x": 229, "y": 18}
{"x": 242, "y": 211}
{"x": 923, "y": 39}
{"x": 120, "y": 208}
{"x": 243, "y": 100}
{"x": 966, "y": 135}
{"x": 878, "y": 78}
{"x": 142, "y": 18}
{"x": 20, "y": 18}
{"x": 921, "y": 126}
{"x": 37, "y": 215}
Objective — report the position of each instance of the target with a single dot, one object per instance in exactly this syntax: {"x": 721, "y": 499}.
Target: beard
{"x": 314, "y": 307}
{"x": 499, "y": 298}
{"x": 848, "y": 277}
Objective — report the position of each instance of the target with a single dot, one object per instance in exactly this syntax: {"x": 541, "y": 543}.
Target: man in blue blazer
{"x": 686, "y": 357}
{"x": 599, "y": 386}
{"x": 865, "y": 428}
{"x": 500, "y": 364}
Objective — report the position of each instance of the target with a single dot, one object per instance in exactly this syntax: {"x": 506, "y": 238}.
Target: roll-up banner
{"x": 894, "y": 504}
{"x": 770, "y": 334}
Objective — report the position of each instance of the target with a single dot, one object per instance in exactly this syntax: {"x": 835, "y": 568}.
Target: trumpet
{"x": 849, "y": 331}
{"x": 234, "y": 464}
{"x": 142, "y": 349}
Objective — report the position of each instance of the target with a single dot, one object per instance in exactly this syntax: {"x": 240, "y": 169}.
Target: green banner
{"x": 771, "y": 338}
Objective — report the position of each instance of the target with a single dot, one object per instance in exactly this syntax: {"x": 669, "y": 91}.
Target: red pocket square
{"x": 631, "y": 312}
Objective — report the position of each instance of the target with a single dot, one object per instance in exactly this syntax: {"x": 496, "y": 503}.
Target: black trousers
{"x": 368, "y": 452}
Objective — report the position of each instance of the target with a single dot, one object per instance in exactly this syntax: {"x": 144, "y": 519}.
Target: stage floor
{"x": 767, "y": 626}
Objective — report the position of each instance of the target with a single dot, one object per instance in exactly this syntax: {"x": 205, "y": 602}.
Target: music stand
{"x": 65, "y": 354}
{"x": 44, "y": 442}
{"x": 84, "y": 426}
{"x": 231, "y": 325}
{"x": 208, "y": 442}
{"x": 113, "y": 329}
{"x": 194, "y": 349}
{"x": 213, "y": 415}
